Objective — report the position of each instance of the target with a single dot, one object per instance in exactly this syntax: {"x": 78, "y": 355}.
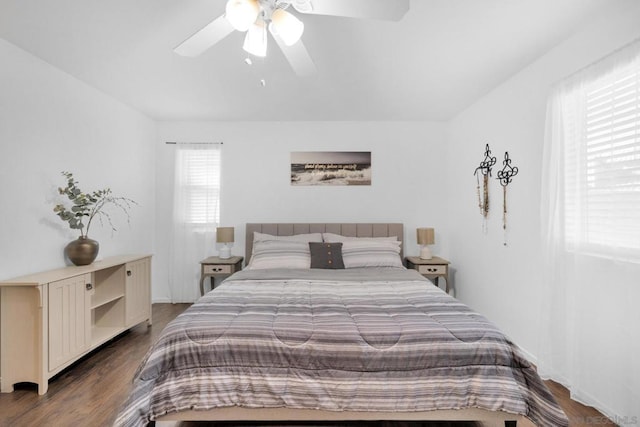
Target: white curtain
{"x": 590, "y": 320}
{"x": 195, "y": 216}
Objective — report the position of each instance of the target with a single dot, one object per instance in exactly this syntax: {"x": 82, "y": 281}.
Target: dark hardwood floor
{"x": 90, "y": 392}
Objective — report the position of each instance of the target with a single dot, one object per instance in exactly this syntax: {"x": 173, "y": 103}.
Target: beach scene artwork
{"x": 331, "y": 168}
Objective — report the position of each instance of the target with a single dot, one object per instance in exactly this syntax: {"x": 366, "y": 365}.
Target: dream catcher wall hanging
{"x": 484, "y": 169}
{"x": 505, "y": 175}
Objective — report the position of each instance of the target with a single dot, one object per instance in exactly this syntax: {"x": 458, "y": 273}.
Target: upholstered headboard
{"x": 352, "y": 230}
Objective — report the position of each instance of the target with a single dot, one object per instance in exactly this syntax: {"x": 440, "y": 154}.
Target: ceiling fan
{"x": 256, "y": 16}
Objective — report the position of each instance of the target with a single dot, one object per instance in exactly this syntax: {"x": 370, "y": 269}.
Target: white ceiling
{"x": 432, "y": 64}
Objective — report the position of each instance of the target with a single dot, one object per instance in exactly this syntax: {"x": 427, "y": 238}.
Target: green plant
{"x": 87, "y": 206}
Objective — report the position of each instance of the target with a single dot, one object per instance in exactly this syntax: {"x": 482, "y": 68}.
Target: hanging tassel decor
{"x": 505, "y": 175}
{"x": 485, "y": 170}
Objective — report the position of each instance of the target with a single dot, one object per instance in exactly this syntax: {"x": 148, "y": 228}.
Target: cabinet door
{"x": 69, "y": 319}
{"x": 138, "y": 291}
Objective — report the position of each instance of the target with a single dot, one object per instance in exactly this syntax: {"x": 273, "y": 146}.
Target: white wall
{"x": 502, "y": 281}
{"x": 408, "y": 162}
{"x": 50, "y": 122}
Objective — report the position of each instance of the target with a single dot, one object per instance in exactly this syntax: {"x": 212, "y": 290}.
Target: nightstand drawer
{"x": 432, "y": 269}
{"x": 217, "y": 269}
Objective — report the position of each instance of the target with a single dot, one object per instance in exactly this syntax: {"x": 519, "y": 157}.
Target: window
{"x": 601, "y": 126}
{"x": 198, "y": 184}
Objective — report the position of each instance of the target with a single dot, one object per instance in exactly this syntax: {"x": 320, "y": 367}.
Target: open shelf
{"x": 102, "y": 334}
{"x": 106, "y": 320}
{"x": 106, "y": 300}
{"x": 109, "y": 285}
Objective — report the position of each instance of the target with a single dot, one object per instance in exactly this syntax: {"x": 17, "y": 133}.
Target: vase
{"x": 82, "y": 251}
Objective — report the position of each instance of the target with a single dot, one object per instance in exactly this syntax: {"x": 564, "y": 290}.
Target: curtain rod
{"x": 204, "y": 143}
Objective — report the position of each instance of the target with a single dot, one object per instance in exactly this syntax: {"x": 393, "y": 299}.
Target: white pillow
{"x": 371, "y": 253}
{"x": 335, "y": 238}
{"x": 311, "y": 237}
{"x": 280, "y": 254}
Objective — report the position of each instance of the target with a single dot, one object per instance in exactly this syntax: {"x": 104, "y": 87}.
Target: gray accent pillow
{"x": 326, "y": 255}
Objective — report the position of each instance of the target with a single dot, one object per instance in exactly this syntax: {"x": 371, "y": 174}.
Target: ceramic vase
{"x": 82, "y": 251}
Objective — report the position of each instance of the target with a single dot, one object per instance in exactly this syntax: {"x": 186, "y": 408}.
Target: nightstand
{"x": 433, "y": 269}
{"x": 216, "y": 267}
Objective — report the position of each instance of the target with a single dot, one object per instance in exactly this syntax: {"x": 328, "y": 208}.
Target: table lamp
{"x": 426, "y": 237}
{"x": 224, "y": 235}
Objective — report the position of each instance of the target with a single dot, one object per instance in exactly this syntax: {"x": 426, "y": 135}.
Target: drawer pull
{"x": 129, "y": 273}
{"x": 89, "y": 286}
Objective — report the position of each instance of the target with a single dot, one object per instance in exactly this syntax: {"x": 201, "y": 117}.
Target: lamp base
{"x": 225, "y": 252}
{"x": 425, "y": 252}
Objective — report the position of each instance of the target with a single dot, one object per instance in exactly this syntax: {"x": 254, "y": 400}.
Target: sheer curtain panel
{"x": 196, "y": 213}
{"x": 590, "y": 321}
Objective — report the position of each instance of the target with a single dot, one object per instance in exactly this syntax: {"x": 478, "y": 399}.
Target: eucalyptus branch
{"x": 87, "y": 206}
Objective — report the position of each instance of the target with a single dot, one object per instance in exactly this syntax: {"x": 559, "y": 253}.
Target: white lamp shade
{"x": 241, "y": 14}
{"x": 255, "y": 42}
{"x": 224, "y": 235}
{"x": 287, "y": 26}
{"x": 426, "y": 236}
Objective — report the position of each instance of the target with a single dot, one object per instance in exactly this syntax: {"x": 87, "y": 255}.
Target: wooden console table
{"x": 49, "y": 320}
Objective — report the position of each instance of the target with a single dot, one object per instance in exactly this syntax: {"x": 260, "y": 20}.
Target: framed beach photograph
{"x": 331, "y": 168}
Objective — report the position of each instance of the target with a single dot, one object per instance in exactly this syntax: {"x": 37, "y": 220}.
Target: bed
{"x": 373, "y": 341}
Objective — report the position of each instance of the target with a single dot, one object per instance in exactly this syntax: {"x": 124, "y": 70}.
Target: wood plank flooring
{"x": 91, "y": 391}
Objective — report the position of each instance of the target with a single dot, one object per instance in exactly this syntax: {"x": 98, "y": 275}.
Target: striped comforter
{"x": 385, "y": 340}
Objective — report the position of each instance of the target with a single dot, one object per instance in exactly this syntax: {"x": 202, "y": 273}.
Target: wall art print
{"x": 331, "y": 168}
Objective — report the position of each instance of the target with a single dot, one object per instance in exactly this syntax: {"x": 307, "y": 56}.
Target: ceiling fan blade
{"x": 390, "y": 10}
{"x": 297, "y": 55}
{"x": 205, "y": 38}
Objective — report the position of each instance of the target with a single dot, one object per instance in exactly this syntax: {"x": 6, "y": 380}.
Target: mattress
{"x": 335, "y": 340}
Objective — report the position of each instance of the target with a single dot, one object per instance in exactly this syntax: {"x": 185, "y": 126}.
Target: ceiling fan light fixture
{"x": 287, "y": 26}
{"x": 241, "y": 14}
{"x": 255, "y": 42}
